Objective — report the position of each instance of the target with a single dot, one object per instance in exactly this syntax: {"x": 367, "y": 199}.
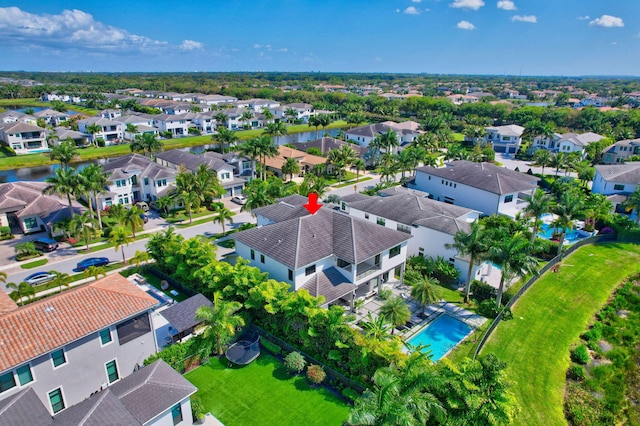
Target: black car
{"x": 144, "y": 217}
{"x": 45, "y": 244}
{"x": 92, "y": 261}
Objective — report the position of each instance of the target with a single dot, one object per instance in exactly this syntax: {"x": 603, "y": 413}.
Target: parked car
{"x": 92, "y": 261}
{"x": 239, "y": 199}
{"x": 144, "y": 206}
{"x": 144, "y": 217}
{"x": 45, "y": 244}
{"x": 40, "y": 278}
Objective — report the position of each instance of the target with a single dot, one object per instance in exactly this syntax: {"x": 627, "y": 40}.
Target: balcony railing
{"x": 365, "y": 269}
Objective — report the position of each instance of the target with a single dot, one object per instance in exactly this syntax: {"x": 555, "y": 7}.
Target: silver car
{"x": 40, "y": 278}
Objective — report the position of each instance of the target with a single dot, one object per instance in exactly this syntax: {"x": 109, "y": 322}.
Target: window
{"x": 105, "y": 336}
{"x": 24, "y": 375}
{"x": 403, "y": 228}
{"x": 366, "y": 215}
{"x": 225, "y": 176}
{"x": 58, "y": 358}
{"x": 7, "y": 381}
{"x": 262, "y": 258}
{"x": 343, "y": 205}
{"x": 112, "y": 371}
{"x": 508, "y": 198}
{"x": 310, "y": 270}
{"x": 55, "y": 398}
{"x": 30, "y": 223}
{"x": 133, "y": 328}
{"x": 394, "y": 251}
{"x": 290, "y": 275}
{"x": 146, "y": 181}
{"x": 377, "y": 260}
{"x": 343, "y": 263}
{"x": 616, "y": 187}
{"x": 176, "y": 414}
{"x": 253, "y": 254}
{"x": 381, "y": 221}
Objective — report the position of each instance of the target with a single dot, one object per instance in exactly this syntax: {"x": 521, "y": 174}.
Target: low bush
{"x": 545, "y": 249}
{"x": 294, "y": 362}
{"x": 316, "y": 374}
{"x": 482, "y": 291}
{"x": 581, "y": 355}
{"x": 487, "y": 308}
{"x": 350, "y": 394}
{"x": 271, "y": 347}
{"x": 576, "y": 372}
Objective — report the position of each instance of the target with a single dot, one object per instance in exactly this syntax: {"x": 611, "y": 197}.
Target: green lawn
{"x": 263, "y": 393}
{"x": 549, "y": 318}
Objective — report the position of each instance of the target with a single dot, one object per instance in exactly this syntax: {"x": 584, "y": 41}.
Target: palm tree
{"x": 542, "y": 158}
{"x": 20, "y": 291}
{"x": 63, "y": 183}
{"x": 146, "y": 142}
{"x": 376, "y": 328}
{"x": 404, "y": 162}
{"x": 220, "y": 321}
{"x": 84, "y": 224}
{"x": 191, "y": 200}
{"x": 257, "y": 196}
{"x": 164, "y": 203}
{"x": 132, "y": 219}
{"x": 568, "y": 208}
{"x": 95, "y": 272}
{"x": 117, "y": 212}
{"x": 472, "y": 244}
{"x": 474, "y": 133}
{"x": 275, "y": 130}
{"x": 539, "y": 204}
{"x": 131, "y": 128}
{"x": 359, "y": 165}
{"x": 140, "y": 257}
{"x": 266, "y": 148}
{"x": 291, "y": 114}
{"x": 64, "y": 152}
{"x": 251, "y": 149}
{"x": 224, "y": 137}
{"x": 120, "y": 238}
{"x": 513, "y": 255}
{"x": 557, "y": 161}
{"x": 206, "y": 184}
{"x": 92, "y": 129}
{"x": 268, "y": 115}
{"x": 315, "y": 122}
{"x": 222, "y": 214}
{"x": 633, "y": 202}
{"x": 395, "y": 311}
{"x": 388, "y": 141}
{"x": 324, "y": 120}
{"x": 290, "y": 167}
{"x": 424, "y": 290}
{"x": 95, "y": 180}
{"x": 3, "y": 277}
{"x": 245, "y": 117}
{"x": 221, "y": 120}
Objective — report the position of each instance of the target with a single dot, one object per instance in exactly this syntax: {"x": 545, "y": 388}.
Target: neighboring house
{"x": 23, "y": 206}
{"x": 329, "y": 254}
{"x": 143, "y": 124}
{"x": 234, "y": 118}
{"x": 616, "y": 178}
{"x": 153, "y": 395}
{"x": 479, "y": 186}
{"x": 462, "y": 99}
{"x": 52, "y": 117}
{"x": 84, "y": 340}
{"x": 176, "y": 124}
{"x": 505, "y": 139}
{"x": 303, "y": 111}
{"x": 620, "y": 151}
{"x": 111, "y": 132}
{"x": 432, "y": 224}
{"x": 24, "y": 138}
{"x": 566, "y": 142}
{"x": 226, "y": 172}
{"x": 78, "y": 138}
{"x": 135, "y": 177}
{"x": 17, "y": 116}
{"x": 406, "y": 132}
{"x": 326, "y": 144}
{"x": 182, "y": 317}
{"x": 111, "y": 114}
{"x": 204, "y": 122}
{"x": 305, "y": 161}
{"x": 216, "y": 99}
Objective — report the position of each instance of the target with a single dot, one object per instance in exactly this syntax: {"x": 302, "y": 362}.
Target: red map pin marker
{"x": 312, "y": 206}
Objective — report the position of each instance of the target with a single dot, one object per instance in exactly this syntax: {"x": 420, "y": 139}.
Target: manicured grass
{"x": 549, "y": 318}
{"x": 352, "y": 182}
{"x": 35, "y": 264}
{"x": 263, "y": 393}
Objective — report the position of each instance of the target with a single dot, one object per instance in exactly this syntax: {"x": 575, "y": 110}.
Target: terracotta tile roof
{"x": 40, "y": 327}
{"x": 6, "y": 304}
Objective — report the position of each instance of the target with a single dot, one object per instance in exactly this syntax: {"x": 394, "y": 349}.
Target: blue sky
{"x": 527, "y": 37}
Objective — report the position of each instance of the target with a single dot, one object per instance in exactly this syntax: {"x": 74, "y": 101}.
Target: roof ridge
{"x": 94, "y": 407}
{"x": 295, "y": 260}
{"x": 143, "y": 382}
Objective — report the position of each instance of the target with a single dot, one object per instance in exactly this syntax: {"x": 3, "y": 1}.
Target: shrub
{"x": 271, "y": 347}
{"x": 576, "y": 372}
{"x": 350, "y": 394}
{"x": 545, "y": 249}
{"x": 487, "y": 308}
{"x": 594, "y": 334}
{"x": 385, "y": 293}
{"x": 294, "y": 362}
{"x": 581, "y": 355}
{"x": 197, "y": 409}
{"x": 316, "y": 374}
{"x": 482, "y": 291}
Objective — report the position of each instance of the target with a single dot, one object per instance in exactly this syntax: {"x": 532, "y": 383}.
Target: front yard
{"x": 263, "y": 393}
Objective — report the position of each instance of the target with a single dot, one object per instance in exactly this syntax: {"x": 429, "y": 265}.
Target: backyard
{"x": 263, "y": 393}
{"x": 549, "y": 318}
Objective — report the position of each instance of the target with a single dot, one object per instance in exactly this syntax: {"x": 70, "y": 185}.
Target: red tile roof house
{"x": 69, "y": 346}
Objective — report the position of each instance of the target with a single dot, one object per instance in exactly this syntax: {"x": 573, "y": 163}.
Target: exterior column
{"x": 402, "y": 269}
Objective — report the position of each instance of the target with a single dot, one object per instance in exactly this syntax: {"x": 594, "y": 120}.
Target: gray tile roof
{"x": 485, "y": 176}
{"x": 326, "y": 144}
{"x": 280, "y": 212}
{"x": 294, "y": 200}
{"x": 24, "y": 408}
{"x": 101, "y": 409}
{"x": 136, "y": 164}
{"x": 192, "y": 161}
{"x": 20, "y": 127}
{"x": 152, "y": 390}
{"x": 395, "y": 190}
{"x": 304, "y": 240}
{"x": 508, "y": 130}
{"x": 622, "y": 173}
{"x": 329, "y": 283}
{"x": 414, "y": 210}
{"x": 356, "y": 196}
{"x": 182, "y": 316}
{"x": 370, "y": 130}
{"x": 26, "y": 198}
{"x": 582, "y": 140}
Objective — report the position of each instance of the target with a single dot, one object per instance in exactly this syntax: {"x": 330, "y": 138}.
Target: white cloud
{"x": 416, "y": 1}
{"x": 397, "y": 10}
{"x": 465, "y": 25}
{"x": 607, "y": 21}
{"x": 524, "y": 18}
{"x": 467, "y": 4}
{"x": 583, "y": 18}
{"x": 75, "y": 29}
{"x": 191, "y": 45}
{"x": 411, "y": 11}
{"x": 506, "y": 5}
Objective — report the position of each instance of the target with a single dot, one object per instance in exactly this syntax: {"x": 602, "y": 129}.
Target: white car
{"x": 239, "y": 199}
{"x": 40, "y": 278}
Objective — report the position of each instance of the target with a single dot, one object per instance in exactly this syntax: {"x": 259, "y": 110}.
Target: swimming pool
{"x": 441, "y": 336}
{"x": 161, "y": 300}
{"x": 571, "y": 235}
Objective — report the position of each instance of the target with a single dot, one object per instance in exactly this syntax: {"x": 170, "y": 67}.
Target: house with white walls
{"x": 51, "y": 117}
{"x": 505, "y": 139}
{"x": 566, "y": 142}
{"x": 178, "y": 125}
{"x": 616, "y": 178}
{"x": 620, "y": 151}
{"x": 111, "y": 131}
{"x": 406, "y": 132}
{"x": 484, "y": 187}
{"x": 24, "y": 138}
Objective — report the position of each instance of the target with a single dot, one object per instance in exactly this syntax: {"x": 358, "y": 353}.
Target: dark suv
{"x": 45, "y": 244}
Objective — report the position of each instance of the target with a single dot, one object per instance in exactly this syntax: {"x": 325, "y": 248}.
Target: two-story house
{"x": 505, "y": 139}
{"x": 566, "y": 142}
{"x": 617, "y": 181}
{"x": 326, "y": 144}
{"x": 406, "y": 132}
{"x": 51, "y": 117}
{"x": 24, "y": 138}
{"x": 178, "y": 125}
{"x": 484, "y": 187}
{"x": 110, "y": 131}
{"x": 620, "y": 151}
{"x": 71, "y": 345}
{"x": 329, "y": 253}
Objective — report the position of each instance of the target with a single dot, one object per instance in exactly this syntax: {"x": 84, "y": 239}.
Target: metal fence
{"x": 591, "y": 240}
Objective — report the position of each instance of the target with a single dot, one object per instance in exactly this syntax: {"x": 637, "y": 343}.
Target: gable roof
{"x": 21, "y": 127}
{"x": 304, "y": 240}
{"x": 192, "y": 161}
{"x": 582, "y": 140}
{"x": 326, "y": 144}
{"x": 623, "y": 173}
{"x": 102, "y": 409}
{"x": 67, "y": 317}
{"x": 182, "y": 316}
{"x": 485, "y": 176}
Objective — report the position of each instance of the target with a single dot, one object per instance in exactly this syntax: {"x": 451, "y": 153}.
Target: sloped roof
{"x": 6, "y": 303}
{"x": 24, "y": 408}
{"x": 192, "y": 161}
{"x": 136, "y": 164}
{"x": 286, "y": 152}
{"x": 370, "y": 130}
{"x": 182, "y": 316}
{"x": 304, "y": 240}
{"x": 583, "y": 139}
{"x": 329, "y": 283}
{"x": 623, "y": 173}
{"x": 20, "y": 127}
{"x": 280, "y": 212}
{"x": 485, "y": 176}
{"x": 67, "y": 317}
{"x": 508, "y": 130}
{"x": 26, "y": 199}
{"x": 326, "y": 144}
{"x": 102, "y": 409}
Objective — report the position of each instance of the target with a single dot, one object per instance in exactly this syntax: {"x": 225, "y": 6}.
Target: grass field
{"x": 549, "y": 318}
{"x": 263, "y": 393}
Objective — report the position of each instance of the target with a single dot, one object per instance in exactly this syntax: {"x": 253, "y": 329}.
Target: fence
{"x": 175, "y": 284}
{"x": 331, "y": 373}
{"x": 533, "y": 279}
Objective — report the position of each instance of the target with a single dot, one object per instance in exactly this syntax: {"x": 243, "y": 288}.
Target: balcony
{"x": 365, "y": 269}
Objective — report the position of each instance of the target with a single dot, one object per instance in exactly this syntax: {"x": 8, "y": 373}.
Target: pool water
{"x": 441, "y": 336}
{"x": 156, "y": 296}
{"x": 571, "y": 235}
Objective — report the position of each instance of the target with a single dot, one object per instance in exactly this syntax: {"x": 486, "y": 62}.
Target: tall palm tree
{"x": 224, "y": 137}
{"x": 206, "y": 184}
{"x": 290, "y": 167}
{"x": 568, "y": 208}
{"x": 64, "y": 152}
{"x": 404, "y": 162}
{"x": 246, "y": 117}
{"x": 222, "y": 214}
{"x": 95, "y": 180}
{"x": 268, "y": 115}
{"x": 84, "y": 224}
{"x": 132, "y": 219}
{"x": 191, "y": 200}
{"x": 61, "y": 279}
{"x": 120, "y": 238}
{"x": 140, "y": 257}
{"x": 315, "y": 122}
{"x": 92, "y": 129}
{"x": 542, "y": 158}
{"x": 266, "y": 149}
{"x": 359, "y": 165}
{"x": 147, "y": 143}
{"x": 539, "y": 204}
{"x": 220, "y": 321}
{"x": 388, "y": 141}
{"x": 117, "y": 212}
{"x": 251, "y": 148}
{"x": 221, "y": 120}
{"x": 472, "y": 244}
{"x": 395, "y": 311}
{"x": 324, "y": 120}
{"x": 20, "y": 291}
{"x": 291, "y": 114}
{"x": 424, "y": 290}
{"x": 513, "y": 255}
{"x": 63, "y": 183}
{"x": 558, "y": 161}
{"x": 276, "y": 130}
{"x": 633, "y": 202}
{"x": 257, "y": 195}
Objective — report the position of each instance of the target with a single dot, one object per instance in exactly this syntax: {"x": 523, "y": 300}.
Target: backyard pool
{"x": 441, "y": 336}
{"x": 571, "y": 235}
